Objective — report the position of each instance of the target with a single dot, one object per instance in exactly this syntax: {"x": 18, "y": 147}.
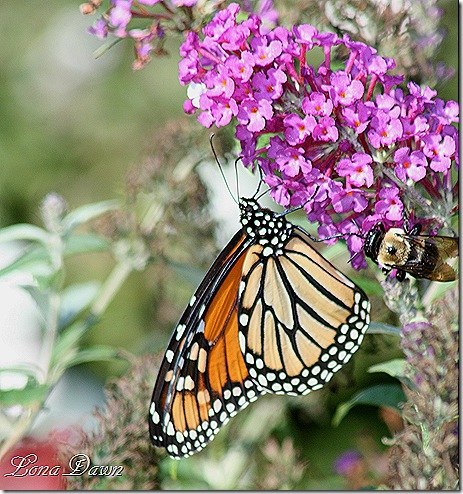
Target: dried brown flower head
{"x": 425, "y": 453}
{"x": 120, "y": 436}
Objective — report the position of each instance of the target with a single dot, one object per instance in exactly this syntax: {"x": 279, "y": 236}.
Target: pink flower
{"x": 270, "y": 85}
{"x": 357, "y": 169}
{"x": 390, "y": 205}
{"x": 265, "y": 52}
{"x": 439, "y": 150}
{"x": 297, "y": 128}
{"x": 255, "y": 113}
{"x": 343, "y": 90}
{"x": 410, "y": 165}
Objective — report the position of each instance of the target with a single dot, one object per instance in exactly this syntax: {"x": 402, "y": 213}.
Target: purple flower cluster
{"x": 160, "y": 17}
{"x": 347, "y": 144}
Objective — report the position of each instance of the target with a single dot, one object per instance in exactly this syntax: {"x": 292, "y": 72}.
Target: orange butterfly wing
{"x": 203, "y": 380}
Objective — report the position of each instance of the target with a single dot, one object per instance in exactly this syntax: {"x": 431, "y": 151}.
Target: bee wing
{"x": 434, "y": 258}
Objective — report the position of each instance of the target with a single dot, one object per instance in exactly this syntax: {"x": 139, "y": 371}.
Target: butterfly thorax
{"x": 268, "y": 228}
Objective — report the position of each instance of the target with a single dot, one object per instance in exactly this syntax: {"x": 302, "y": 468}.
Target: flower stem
{"x": 21, "y": 428}
{"x": 110, "y": 287}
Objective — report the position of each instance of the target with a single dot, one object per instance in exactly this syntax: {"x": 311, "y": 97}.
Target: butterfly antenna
{"x": 301, "y": 206}
{"x": 237, "y": 182}
{"x": 256, "y": 196}
{"x": 353, "y": 257}
{"x": 262, "y": 194}
{"x": 266, "y": 191}
{"x": 221, "y": 168}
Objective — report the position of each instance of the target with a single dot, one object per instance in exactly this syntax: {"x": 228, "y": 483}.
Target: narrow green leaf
{"x": 95, "y": 353}
{"x": 40, "y": 297}
{"x": 380, "y": 395}
{"x": 75, "y": 299}
{"x": 23, "y": 231}
{"x": 394, "y": 367}
{"x": 67, "y": 341}
{"x": 86, "y": 213}
{"x": 380, "y": 328}
{"x": 83, "y": 243}
{"x": 100, "y": 51}
{"x": 437, "y": 291}
{"x": 48, "y": 278}
{"x": 426, "y": 436}
{"x": 35, "y": 259}
{"x": 368, "y": 285}
{"x": 32, "y": 393}
{"x": 28, "y": 370}
{"x": 33, "y": 256}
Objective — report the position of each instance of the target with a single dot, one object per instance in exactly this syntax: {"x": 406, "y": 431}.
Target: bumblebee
{"x": 422, "y": 256}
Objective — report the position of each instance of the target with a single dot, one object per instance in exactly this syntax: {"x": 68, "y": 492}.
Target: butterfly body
{"x": 271, "y": 315}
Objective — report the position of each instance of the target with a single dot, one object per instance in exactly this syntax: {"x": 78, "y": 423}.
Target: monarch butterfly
{"x": 422, "y": 256}
{"x": 270, "y": 316}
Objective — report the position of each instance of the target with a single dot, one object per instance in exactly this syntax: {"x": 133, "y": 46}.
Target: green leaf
{"x": 40, "y": 297}
{"x": 83, "y": 243}
{"x": 389, "y": 395}
{"x": 23, "y": 231}
{"x": 33, "y": 392}
{"x": 437, "y": 291}
{"x": 33, "y": 257}
{"x": 68, "y": 341}
{"x": 31, "y": 371}
{"x": 86, "y": 213}
{"x": 380, "y": 328}
{"x": 426, "y": 436}
{"x": 394, "y": 367}
{"x": 369, "y": 286}
{"x": 75, "y": 299}
{"x": 95, "y": 353}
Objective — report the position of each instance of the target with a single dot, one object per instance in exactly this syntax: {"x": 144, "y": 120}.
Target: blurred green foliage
{"x": 74, "y": 124}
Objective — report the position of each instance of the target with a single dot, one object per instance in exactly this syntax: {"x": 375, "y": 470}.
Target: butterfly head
{"x": 247, "y": 206}
{"x": 271, "y": 230}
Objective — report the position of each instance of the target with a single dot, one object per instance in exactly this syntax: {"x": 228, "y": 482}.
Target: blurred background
{"x": 75, "y": 124}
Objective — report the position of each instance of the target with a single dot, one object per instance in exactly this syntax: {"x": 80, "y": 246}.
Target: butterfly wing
{"x": 300, "y": 318}
{"x": 203, "y": 380}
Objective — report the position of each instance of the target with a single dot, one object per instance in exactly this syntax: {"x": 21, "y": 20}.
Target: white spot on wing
{"x": 268, "y": 251}
{"x": 180, "y": 331}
